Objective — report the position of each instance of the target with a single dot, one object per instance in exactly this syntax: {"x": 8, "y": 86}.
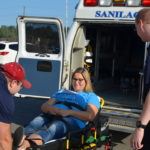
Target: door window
{"x": 42, "y": 38}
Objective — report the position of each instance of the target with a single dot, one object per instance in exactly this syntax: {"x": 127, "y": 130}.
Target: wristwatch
{"x": 140, "y": 125}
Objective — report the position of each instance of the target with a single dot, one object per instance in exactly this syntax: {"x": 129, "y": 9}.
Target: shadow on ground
{"x": 120, "y": 140}
{"x": 26, "y": 109}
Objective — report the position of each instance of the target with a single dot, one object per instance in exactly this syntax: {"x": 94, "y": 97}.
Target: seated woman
{"x": 75, "y": 107}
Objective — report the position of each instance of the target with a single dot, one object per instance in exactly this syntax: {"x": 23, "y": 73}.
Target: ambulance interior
{"x": 114, "y": 55}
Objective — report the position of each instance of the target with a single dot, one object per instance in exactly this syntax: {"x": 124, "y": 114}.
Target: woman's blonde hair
{"x": 86, "y": 76}
{"x": 144, "y": 15}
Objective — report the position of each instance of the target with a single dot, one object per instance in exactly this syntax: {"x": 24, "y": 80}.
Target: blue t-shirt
{"x": 6, "y": 102}
{"x": 82, "y": 99}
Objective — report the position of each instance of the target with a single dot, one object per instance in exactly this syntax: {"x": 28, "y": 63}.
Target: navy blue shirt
{"x": 147, "y": 74}
{"x": 7, "y": 105}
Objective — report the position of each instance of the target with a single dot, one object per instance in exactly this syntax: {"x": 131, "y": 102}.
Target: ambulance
{"x": 103, "y": 39}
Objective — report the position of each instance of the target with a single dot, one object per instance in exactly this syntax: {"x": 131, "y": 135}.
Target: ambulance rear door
{"x": 41, "y": 51}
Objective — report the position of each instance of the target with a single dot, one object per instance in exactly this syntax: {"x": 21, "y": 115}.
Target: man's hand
{"x": 136, "y": 139}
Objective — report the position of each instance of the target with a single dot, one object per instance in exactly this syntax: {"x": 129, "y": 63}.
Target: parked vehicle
{"x": 101, "y": 38}
{"x": 8, "y": 51}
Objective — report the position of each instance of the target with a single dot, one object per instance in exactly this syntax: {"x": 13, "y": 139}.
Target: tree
{"x": 8, "y": 33}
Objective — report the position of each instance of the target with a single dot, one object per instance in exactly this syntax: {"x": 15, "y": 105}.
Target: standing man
{"x": 12, "y": 79}
{"x": 141, "y": 135}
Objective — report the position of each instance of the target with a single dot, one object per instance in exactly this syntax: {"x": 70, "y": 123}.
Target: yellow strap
{"x": 102, "y": 102}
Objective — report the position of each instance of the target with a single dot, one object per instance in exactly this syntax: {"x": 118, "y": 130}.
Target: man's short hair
{"x": 144, "y": 15}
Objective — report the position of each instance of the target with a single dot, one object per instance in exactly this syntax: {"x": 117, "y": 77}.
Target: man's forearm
{"x": 6, "y": 145}
{"x": 145, "y": 115}
{"x": 5, "y": 136}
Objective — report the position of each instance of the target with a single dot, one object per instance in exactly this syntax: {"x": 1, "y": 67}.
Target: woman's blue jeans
{"x": 50, "y": 127}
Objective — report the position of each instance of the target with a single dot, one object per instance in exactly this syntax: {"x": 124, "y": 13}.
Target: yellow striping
{"x": 102, "y": 102}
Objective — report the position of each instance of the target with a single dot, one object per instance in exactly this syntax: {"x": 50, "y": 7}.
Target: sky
{"x": 10, "y": 9}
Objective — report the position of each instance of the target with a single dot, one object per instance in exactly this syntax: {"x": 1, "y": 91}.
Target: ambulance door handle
{"x": 42, "y": 55}
{"x": 44, "y": 66}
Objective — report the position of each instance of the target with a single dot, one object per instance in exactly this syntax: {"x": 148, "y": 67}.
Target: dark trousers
{"x": 146, "y": 139}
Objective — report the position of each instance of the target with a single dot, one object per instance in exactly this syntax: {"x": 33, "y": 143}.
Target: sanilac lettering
{"x": 134, "y": 15}
{"x": 119, "y": 14}
{"x": 104, "y": 14}
{"x": 129, "y": 15}
{"x": 115, "y": 14}
{"x": 111, "y": 14}
{"x": 97, "y": 13}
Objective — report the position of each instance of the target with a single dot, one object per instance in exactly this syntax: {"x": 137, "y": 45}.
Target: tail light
{"x": 90, "y": 2}
{"x": 145, "y": 3}
{"x": 3, "y": 53}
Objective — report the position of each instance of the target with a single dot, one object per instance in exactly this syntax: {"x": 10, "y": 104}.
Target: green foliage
{"x": 8, "y": 33}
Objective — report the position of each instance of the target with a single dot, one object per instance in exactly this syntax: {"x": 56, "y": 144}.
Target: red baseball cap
{"x": 15, "y": 71}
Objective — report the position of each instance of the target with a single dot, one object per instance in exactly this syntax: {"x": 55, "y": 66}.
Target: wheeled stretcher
{"x": 94, "y": 135}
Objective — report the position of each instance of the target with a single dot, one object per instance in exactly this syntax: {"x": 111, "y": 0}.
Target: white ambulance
{"x": 101, "y": 38}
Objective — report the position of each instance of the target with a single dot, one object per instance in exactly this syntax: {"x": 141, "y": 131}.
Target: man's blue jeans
{"x": 50, "y": 127}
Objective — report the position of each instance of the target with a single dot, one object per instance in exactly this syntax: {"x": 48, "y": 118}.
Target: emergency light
{"x": 90, "y": 2}
{"x": 131, "y": 3}
{"x": 145, "y": 3}
{"x": 119, "y": 2}
{"x": 105, "y": 2}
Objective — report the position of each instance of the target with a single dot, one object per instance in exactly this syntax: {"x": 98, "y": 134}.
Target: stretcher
{"x": 95, "y": 135}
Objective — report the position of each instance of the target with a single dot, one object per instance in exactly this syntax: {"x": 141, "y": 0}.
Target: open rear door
{"x": 41, "y": 51}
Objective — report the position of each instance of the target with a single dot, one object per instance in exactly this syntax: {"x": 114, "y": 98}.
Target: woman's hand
{"x": 48, "y": 108}
{"x": 63, "y": 113}
{"x": 136, "y": 139}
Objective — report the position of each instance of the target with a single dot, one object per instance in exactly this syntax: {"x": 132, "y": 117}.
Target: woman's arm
{"x": 87, "y": 115}
{"x": 48, "y": 108}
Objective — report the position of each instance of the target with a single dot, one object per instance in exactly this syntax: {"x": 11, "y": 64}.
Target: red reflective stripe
{"x": 90, "y": 2}
{"x": 4, "y": 53}
{"x": 145, "y": 2}
{"x": 93, "y": 129}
